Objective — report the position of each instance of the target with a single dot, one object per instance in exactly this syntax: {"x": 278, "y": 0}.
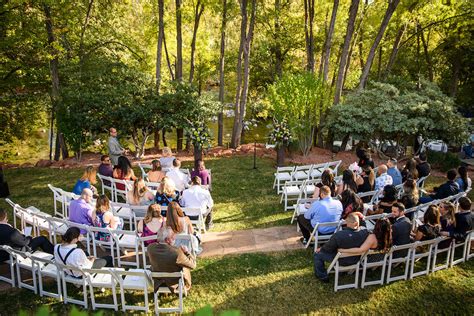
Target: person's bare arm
{"x": 370, "y": 242}
{"x": 316, "y": 193}
{"x": 190, "y": 226}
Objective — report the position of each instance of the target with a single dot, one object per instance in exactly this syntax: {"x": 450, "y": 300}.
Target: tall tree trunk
{"x": 246, "y": 37}
{"x": 328, "y": 42}
{"x": 345, "y": 50}
{"x": 156, "y": 138}
{"x": 163, "y": 133}
{"x": 392, "y": 5}
{"x": 277, "y": 48}
{"x": 453, "y": 91}
{"x": 220, "y": 118}
{"x": 326, "y": 30}
{"x": 159, "y": 47}
{"x": 379, "y": 64}
{"x": 395, "y": 48}
{"x": 168, "y": 61}
{"x": 309, "y": 33}
{"x": 429, "y": 64}
{"x": 179, "y": 43}
{"x": 198, "y": 10}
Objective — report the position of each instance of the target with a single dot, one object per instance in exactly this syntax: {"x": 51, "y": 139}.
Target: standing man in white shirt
{"x": 180, "y": 179}
{"x": 198, "y": 197}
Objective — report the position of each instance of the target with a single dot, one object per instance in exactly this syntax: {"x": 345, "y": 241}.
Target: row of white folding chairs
{"x": 120, "y": 241}
{"x": 61, "y": 200}
{"x": 409, "y": 256}
{"x": 43, "y": 266}
{"x": 306, "y": 172}
{"x": 120, "y": 188}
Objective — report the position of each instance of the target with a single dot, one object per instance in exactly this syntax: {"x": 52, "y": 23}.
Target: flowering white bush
{"x": 280, "y": 134}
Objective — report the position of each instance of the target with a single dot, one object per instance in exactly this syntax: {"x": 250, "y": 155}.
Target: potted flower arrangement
{"x": 281, "y": 137}
{"x": 201, "y": 138}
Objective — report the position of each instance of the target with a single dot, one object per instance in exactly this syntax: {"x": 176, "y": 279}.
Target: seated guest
{"x": 198, "y": 197}
{"x": 180, "y": 179}
{"x": 350, "y": 203}
{"x": 69, "y": 254}
{"x": 350, "y": 236}
{"x": 327, "y": 179}
{"x": 394, "y": 172}
{"x": 410, "y": 171}
{"x": 365, "y": 160}
{"x": 152, "y": 223}
{"x": 348, "y": 182}
{"x": 155, "y": 174}
{"x": 410, "y": 195}
{"x": 448, "y": 216}
{"x": 80, "y": 210}
{"x": 167, "y": 158}
{"x": 10, "y": 236}
{"x": 166, "y": 193}
{"x": 140, "y": 194}
{"x": 202, "y": 173}
{"x": 380, "y": 239}
{"x": 463, "y": 221}
{"x": 445, "y": 190}
{"x": 464, "y": 182}
{"x": 104, "y": 218}
{"x": 383, "y": 178}
{"x": 177, "y": 221}
{"x": 422, "y": 166}
{"x": 165, "y": 257}
{"x": 105, "y": 167}
{"x": 123, "y": 171}
{"x": 324, "y": 210}
{"x": 87, "y": 181}
{"x": 366, "y": 182}
{"x": 389, "y": 198}
{"x": 401, "y": 227}
{"x": 431, "y": 225}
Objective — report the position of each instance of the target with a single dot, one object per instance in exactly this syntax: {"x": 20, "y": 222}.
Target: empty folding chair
{"x": 101, "y": 279}
{"x": 10, "y": 262}
{"x": 133, "y": 280}
{"x": 399, "y": 255}
{"x": 124, "y": 241}
{"x": 282, "y": 175}
{"x": 442, "y": 246}
{"x": 24, "y": 261}
{"x": 75, "y": 276}
{"x": 58, "y": 198}
{"x": 345, "y": 263}
{"x": 291, "y": 192}
{"x": 469, "y": 242}
{"x": 302, "y": 173}
{"x": 421, "y": 250}
{"x": 47, "y": 268}
{"x": 464, "y": 245}
{"x": 420, "y": 183}
{"x": 374, "y": 259}
{"x": 165, "y": 290}
{"x": 317, "y": 170}
{"x": 124, "y": 211}
{"x": 57, "y": 227}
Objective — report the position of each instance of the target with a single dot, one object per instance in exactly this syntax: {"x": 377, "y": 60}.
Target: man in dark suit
{"x": 445, "y": 190}
{"x": 401, "y": 227}
{"x": 12, "y": 237}
{"x": 349, "y": 237}
{"x": 165, "y": 257}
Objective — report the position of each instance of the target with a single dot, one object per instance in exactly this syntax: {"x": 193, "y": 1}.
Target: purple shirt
{"x": 203, "y": 174}
{"x": 105, "y": 170}
{"x": 81, "y": 212}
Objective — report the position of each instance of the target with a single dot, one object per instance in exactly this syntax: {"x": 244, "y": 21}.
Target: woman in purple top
{"x": 202, "y": 173}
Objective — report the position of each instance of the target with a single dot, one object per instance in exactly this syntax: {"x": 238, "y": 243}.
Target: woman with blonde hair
{"x": 167, "y": 159}
{"x": 104, "y": 218}
{"x": 155, "y": 174}
{"x": 448, "y": 216}
{"x": 140, "y": 194}
{"x": 152, "y": 223}
{"x": 87, "y": 181}
{"x": 167, "y": 193}
{"x": 410, "y": 195}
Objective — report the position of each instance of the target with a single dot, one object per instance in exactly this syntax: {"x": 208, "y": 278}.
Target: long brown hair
{"x": 153, "y": 211}
{"x": 139, "y": 189}
{"x": 450, "y": 216}
{"x": 383, "y": 233}
{"x": 172, "y": 217}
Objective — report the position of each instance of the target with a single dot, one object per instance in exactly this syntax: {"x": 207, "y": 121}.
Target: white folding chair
{"x": 419, "y": 251}
{"x": 47, "y": 268}
{"x": 469, "y": 242}
{"x": 133, "y": 280}
{"x": 58, "y": 227}
{"x": 107, "y": 184}
{"x": 58, "y": 198}
{"x": 445, "y": 244}
{"x": 300, "y": 207}
{"x": 24, "y": 261}
{"x": 77, "y": 277}
{"x": 101, "y": 279}
{"x": 334, "y": 166}
{"x": 318, "y": 169}
{"x": 318, "y": 238}
{"x": 399, "y": 255}
{"x": 103, "y": 244}
{"x": 291, "y": 192}
{"x": 142, "y": 167}
{"x": 124, "y": 241}
{"x": 164, "y": 289}
{"x": 372, "y": 260}
{"x": 420, "y": 183}
{"x": 11, "y": 266}
{"x": 121, "y": 188}
{"x": 345, "y": 267}
{"x": 302, "y": 173}
{"x": 198, "y": 222}
{"x": 464, "y": 245}
{"x": 282, "y": 175}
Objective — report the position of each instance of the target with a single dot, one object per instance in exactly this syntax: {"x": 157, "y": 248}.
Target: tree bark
{"x": 392, "y": 5}
{"x": 379, "y": 64}
{"x": 179, "y": 139}
{"x": 429, "y": 64}
{"x": 309, "y": 34}
{"x": 163, "y": 133}
{"x": 198, "y": 10}
{"x": 220, "y": 117}
{"x": 345, "y": 50}
{"x": 159, "y": 49}
{"x": 277, "y": 47}
{"x": 156, "y": 139}
{"x": 328, "y": 42}
{"x": 280, "y": 155}
{"x": 197, "y": 153}
{"x": 168, "y": 61}
{"x": 395, "y": 48}
{"x": 179, "y": 42}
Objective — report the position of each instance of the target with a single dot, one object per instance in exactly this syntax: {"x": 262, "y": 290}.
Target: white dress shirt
{"x": 76, "y": 259}
{"x": 197, "y": 197}
{"x": 180, "y": 179}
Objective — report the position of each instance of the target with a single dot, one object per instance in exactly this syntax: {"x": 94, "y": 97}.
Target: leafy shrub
{"x": 443, "y": 161}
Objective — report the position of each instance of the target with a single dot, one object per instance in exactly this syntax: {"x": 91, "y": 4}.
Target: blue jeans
{"x": 319, "y": 268}
{"x": 425, "y": 199}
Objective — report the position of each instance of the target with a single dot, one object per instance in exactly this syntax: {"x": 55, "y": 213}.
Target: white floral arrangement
{"x": 281, "y": 134}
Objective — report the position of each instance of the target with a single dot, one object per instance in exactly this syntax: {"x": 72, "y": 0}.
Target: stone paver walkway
{"x": 253, "y": 240}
